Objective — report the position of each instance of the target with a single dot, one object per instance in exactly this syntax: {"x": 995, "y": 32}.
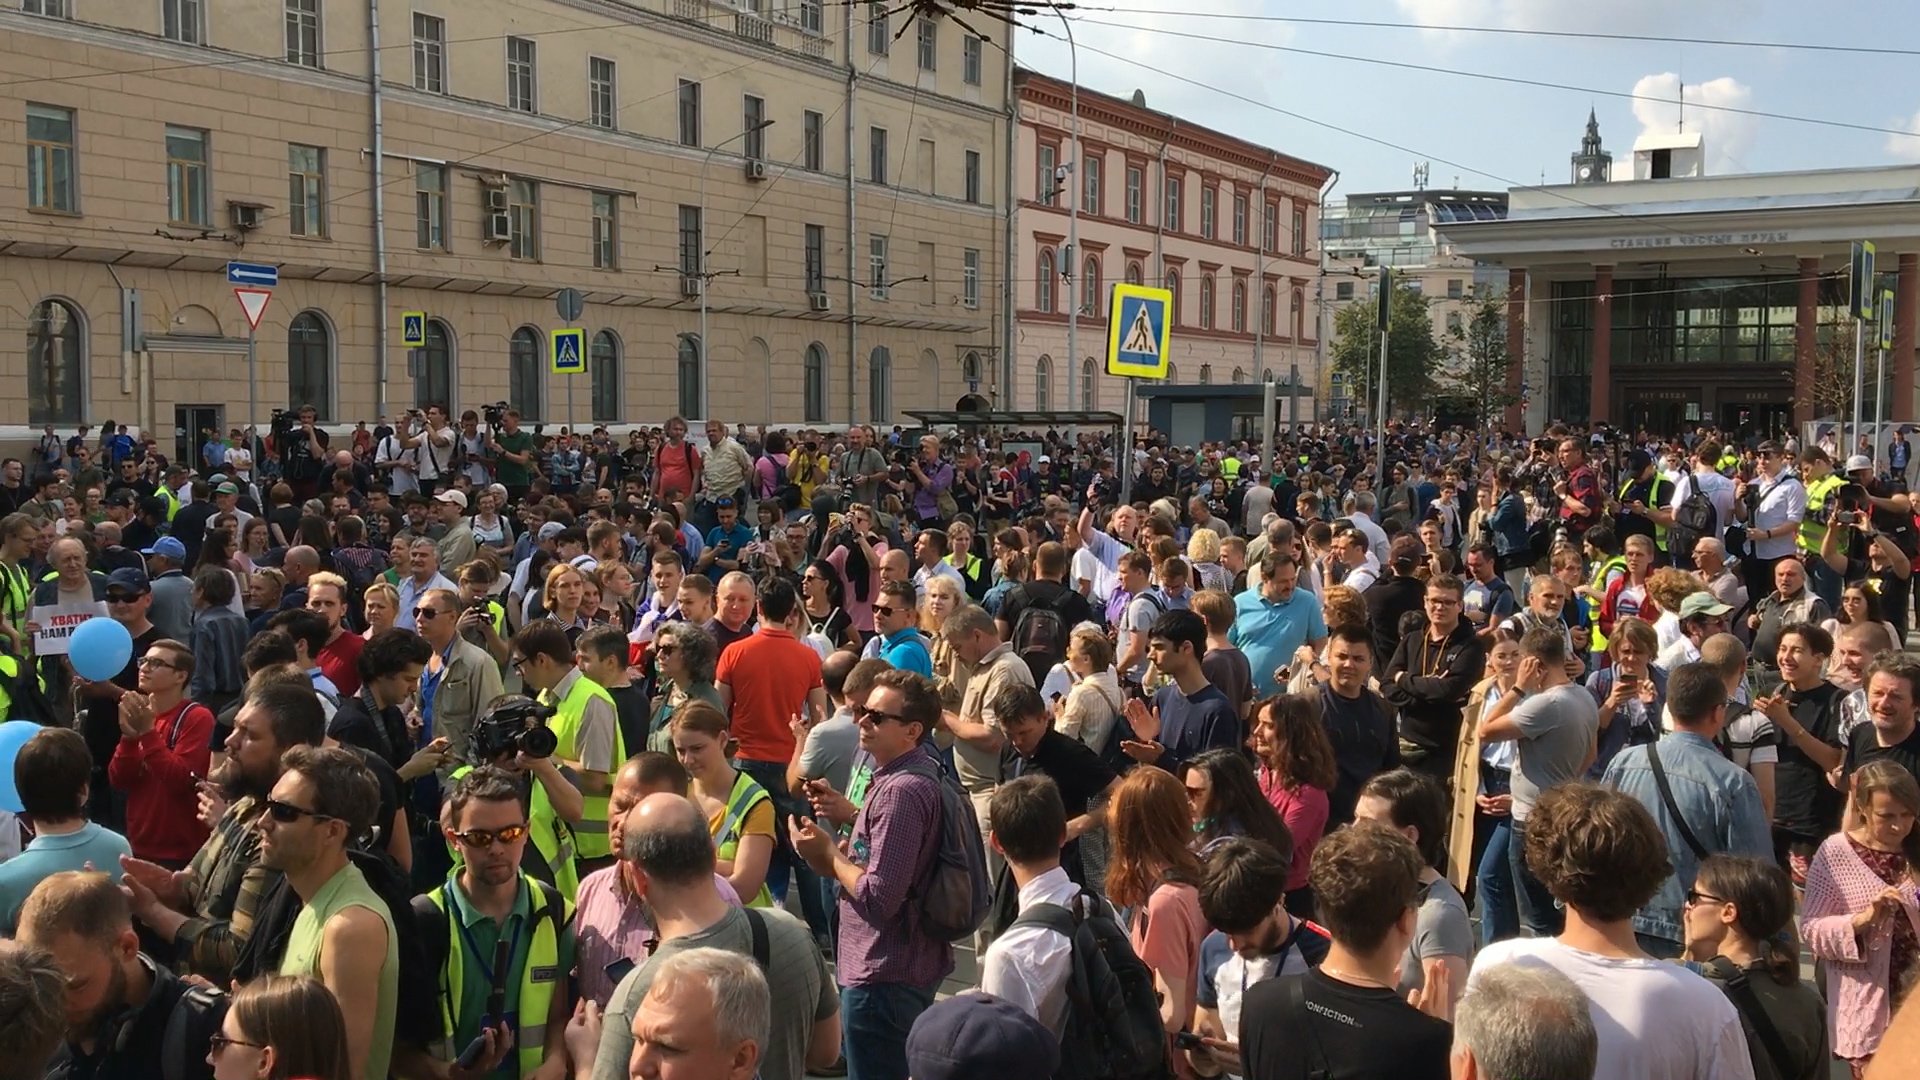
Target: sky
{"x": 1481, "y": 133}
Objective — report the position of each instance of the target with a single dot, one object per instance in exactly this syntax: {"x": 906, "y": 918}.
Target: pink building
{"x": 1228, "y": 225}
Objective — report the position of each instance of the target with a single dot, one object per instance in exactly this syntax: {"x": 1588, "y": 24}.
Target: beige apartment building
{"x": 828, "y": 183}
{"x": 1228, "y": 225}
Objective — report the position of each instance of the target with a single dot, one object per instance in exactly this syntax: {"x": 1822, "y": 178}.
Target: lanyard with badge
{"x": 496, "y": 976}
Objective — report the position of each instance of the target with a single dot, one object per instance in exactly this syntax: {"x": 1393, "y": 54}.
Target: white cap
{"x": 1858, "y": 462}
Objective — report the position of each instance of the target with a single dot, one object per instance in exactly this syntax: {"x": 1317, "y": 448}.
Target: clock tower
{"x": 1592, "y": 164}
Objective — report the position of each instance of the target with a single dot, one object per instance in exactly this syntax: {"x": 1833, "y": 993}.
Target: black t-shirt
{"x": 190, "y": 527}
{"x": 632, "y": 712}
{"x": 388, "y": 782}
{"x": 1804, "y": 803}
{"x": 1338, "y": 1030}
{"x": 1364, "y": 744}
{"x": 1078, "y": 772}
{"x": 102, "y": 723}
{"x": 1863, "y": 745}
{"x": 301, "y": 462}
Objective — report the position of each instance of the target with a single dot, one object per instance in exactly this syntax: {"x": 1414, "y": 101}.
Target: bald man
{"x": 301, "y": 563}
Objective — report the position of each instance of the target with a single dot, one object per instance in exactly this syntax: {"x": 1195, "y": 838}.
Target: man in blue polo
{"x": 897, "y": 637}
{"x": 1272, "y": 622}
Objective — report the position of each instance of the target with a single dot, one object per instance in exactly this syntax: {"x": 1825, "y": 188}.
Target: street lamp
{"x": 702, "y": 276}
{"x": 1070, "y": 170}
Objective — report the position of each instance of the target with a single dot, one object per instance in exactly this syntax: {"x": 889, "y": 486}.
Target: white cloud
{"x": 1906, "y": 147}
{"x": 1657, "y": 105}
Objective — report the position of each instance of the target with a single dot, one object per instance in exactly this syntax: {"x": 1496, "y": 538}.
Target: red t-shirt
{"x": 673, "y": 469}
{"x": 771, "y": 673}
{"x": 339, "y": 659}
{"x": 158, "y": 772}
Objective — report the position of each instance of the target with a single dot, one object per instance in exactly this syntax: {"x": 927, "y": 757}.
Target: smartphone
{"x": 1187, "y": 1040}
{"x": 471, "y": 1055}
{"x": 619, "y": 970}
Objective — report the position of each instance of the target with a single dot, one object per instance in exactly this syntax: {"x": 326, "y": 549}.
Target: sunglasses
{"x": 883, "y": 609}
{"x": 485, "y": 838}
{"x": 286, "y": 813}
{"x": 425, "y": 613}
{"x": 864, "y": 715}
{"x": 1695, "y": 897}
{"x": 665, "y": 650}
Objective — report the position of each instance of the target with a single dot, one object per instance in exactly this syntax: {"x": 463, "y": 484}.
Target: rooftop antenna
{"x": 1683, "y": 107}
{"x": 1421, "y": 171}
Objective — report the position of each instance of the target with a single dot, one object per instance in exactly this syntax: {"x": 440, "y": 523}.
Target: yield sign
{"x": 253, "y": 302}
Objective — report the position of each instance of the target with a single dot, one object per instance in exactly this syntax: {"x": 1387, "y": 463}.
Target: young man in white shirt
{"x": 1029, "y": 964}
{"x": 1707, "y": 481}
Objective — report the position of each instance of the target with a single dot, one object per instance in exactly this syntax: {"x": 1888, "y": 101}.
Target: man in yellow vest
{"x": 586, "y": 723}
{"x": 501, "y": 941}
{"x": 1816, "y": 472}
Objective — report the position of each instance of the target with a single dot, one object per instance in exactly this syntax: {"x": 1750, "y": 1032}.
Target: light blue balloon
{"x": 99, "y": 649}
{"x": 13, "y": 735}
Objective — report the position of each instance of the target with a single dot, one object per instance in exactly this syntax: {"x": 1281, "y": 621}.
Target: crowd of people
{"x": 450, "y": 749}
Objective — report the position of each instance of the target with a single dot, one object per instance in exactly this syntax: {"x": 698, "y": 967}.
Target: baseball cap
{"x": 551, "y": 529}
{"x": 1858, "y": 462}
{"x": 130, "y": 579}
{"x": 972, "y": 1035}
{"x": 226, "y": 489}
{"x": 123, "y": 497}
{"x": 167, "y": 547}
{"x": 1767, "y": 447}
{"x": 1702, "y": 603}
{"x": 457, "y": 498}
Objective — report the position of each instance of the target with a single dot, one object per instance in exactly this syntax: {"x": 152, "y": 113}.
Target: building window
{"x": 1239, "y": 376}
{"x": 56, "y": 376}
{"x": 1209, "y": 202}
{"x": 59, "y": 9}
{"x": 1173, "y": 286}
{"x": 812, "y": 136}
{"x": 879, "y": 386}
{"x": 1299, "y": 312}
{"x": 1135, "y": 181}
{"x": 1270, "y": 228}
{"x": 1453, "y": 322}
{"x": 1043, "y": 383}
{"x": 310, "y": 364}
{"x": 434, "y": 384}
{"x": 602, "y": 93}
{"x": 1455, "y": 288}
{"x": 303, "y": 35}
{"x": 1299, "y": 232}
{"x": 877, "y": 285}
{"x": 523, "y": 204}
{"x": 1206, "y": 301}
{"x": 604, "y": 367}
{"x": 430, "y": 54}
{"x": 971, "y": 186}
{"x": 969, "y": 369}
{"x": 181, "y": 20}
{"x": 970, "y": 277}
{"x": 1089, "y": 396}
{"x": 1206, "y": 374}
{"x": 879, "y": 35}
{"x": 877, "y": 155}
{"x": 689, "y": 376}
{"x": 1090, "y": 186}
{"x": 1239, "y": 307}
{"x": 970, "y": 60}
{"x": 52, "y": 177}
{"x": 1268, "y": 302}
{"x": 1134, "y": 274}
{"x": 1173, "y": 216}
{"x": 430, "y": 206}
{"x": 926, "y": 35}
{"x": 306, "y": 191}
{"x": 606, "y": 231}
{"x": 753, "y": 116}
{"x": 1343, "y": 290}
{"x": 689, "y": 113}
{"x": 1046, "y": 182}
{"x": 1240, "y": 220}
{"x": 187, "y": 179}
{"x": 1045, "y": 288}
{"x": 521, "y": 81}
{"x": 525, "y": 386}
{"x": 1090, "y": 286}
{"x": 691, "y": 262}
{"x": 816, "y": 248}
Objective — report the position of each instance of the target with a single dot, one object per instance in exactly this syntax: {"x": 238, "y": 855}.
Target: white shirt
{"x": 1029, "y": 965}
{"x": 1360, "y": 578}
{"x": 1088, "y": 567}
{"x": 1782, "y": 502}
{"x": 435, "y": 453}
{"x": 1656, "y": 1020}
{"x": 940, "y": 569}
{"x": 400, "y": 479}
{"x": 1376, "y": 536}
{"x": 1718, "y": 490}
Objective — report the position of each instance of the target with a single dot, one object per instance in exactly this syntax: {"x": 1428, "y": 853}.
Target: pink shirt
{"x": 1170, "y": 944}
{"x": 860, "y": 611}
{"x": 609, "y": 927}
{"x": 1859, "y": 1001}
{"x": 1304, "y": 809}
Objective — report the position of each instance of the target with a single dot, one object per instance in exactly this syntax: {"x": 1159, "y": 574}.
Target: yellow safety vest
{"x": 1597, "y": 640}
{"x": 538, "y": 976}
{"x": 1654, "y": 502}
{"x": 1813, "y": 527}
{"x": 1728, "y": 463}
{"x": 552, "y": 838}
{"x": 18, "y": 596}
{"x": 173, "y": 501}
{"x": 590, "y": 832}
{"x": 746, "y": 795}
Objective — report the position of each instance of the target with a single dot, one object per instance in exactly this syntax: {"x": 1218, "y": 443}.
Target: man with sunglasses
{"x": 460, "y": 680}
{"x": 896, "y": 625}
{"x": 423, "y": 562}
{"x": 165, "y": 741}
{"x": 128, "y": 599}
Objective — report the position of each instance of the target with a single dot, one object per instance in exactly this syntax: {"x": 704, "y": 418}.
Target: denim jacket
{"x": 1509, "y": 524}
{"x": 1721, "y": 805}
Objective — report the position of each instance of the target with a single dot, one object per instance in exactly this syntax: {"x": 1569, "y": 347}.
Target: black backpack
{"x": 1113, "y": 1029}
{"x": 191, "y": 1026}
{"x": 1693, "y": 519}
{"x": 1040, "y": 635}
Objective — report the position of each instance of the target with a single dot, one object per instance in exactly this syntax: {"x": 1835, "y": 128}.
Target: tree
{"x": 1412, "y": 352}
{"x": 1831, "y": 388}
{"x": 1477, "y": 371}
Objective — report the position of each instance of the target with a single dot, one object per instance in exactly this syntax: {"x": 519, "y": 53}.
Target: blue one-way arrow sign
{"x": 258, "y": 275}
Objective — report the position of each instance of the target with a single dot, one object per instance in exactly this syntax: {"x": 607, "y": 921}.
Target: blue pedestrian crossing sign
{"x": 413, "y": 329}
{"x": 569, "y": 351}
{"x": 1139, "y": 325}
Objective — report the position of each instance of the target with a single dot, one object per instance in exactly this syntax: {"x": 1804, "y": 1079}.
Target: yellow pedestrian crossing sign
{"x": 1139, "y": 325}
{"x": 569, "y": 351}
{"x": 413, "y": 329}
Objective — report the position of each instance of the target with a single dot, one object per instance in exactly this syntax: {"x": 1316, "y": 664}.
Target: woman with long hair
{"x": 1736, "y": 915}
{"x": 1859, "y": 602}
{"x": 1225, "y": 800}
{"x": 1296, "y": 773}
{"x": 491, "y": 529}
{"x": 1670, "y": 588}
{"x": 684, "y": 654}
{"x": 823, "y": 604}
{"x": 563, "y": 597}
{"x": 1477, "y": 860}
{"x": 256, "y": 539}
{"x": 1153, "y": 873}
{"x": 380, "y": 603}
{"x": 854, "y": 548}
{"x": 617, "y": 591}
{"x": 1630, "y": 691}
{"x": 281, "y": 1027}
{"x": 1203, "y": 552}
{"x": 739, "y": 811}
{"x": 1861, "y": 914}
{"x": 944, "y": 596}
{"x": 1095, "y": 699}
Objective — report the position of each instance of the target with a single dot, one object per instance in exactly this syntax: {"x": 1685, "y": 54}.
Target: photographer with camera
{"x": 432, "y": 440}
{"x": 513, "y": 737}
{"x": 302, "y": 449}
{"x": 1853, "y": 548}
{"x": 1890, "y": 511}
{"x": 585, "y": 724}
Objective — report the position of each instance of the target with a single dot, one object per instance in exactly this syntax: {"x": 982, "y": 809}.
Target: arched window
{"x": 1269, "y": 375}
{"x": 1239, "y": 376}
{"x": 1133, "y": 273}
{"x": 604, "y": 364}
{"x": 1299, "y": 316}
{"x": 1173, "y": 373}
{"x": 526, "y": 389}
{"x": 1239, "y": 307}
{"x": 1173, "y": 285}
{"x": 813, "y": 384}
{"x": 1206, "y": 374}
{"x": 1089, "y": 394}
{"x": 1206, "y": 301}
{"x": 1045, "y": 288}
{"x": 688, "y": 373}
{"x": 310, "y": 364}
{"x": 879, "y": 384}
{"x": 970, "y": 370}
{"x": 1267, "y": 313}
{"x": 1043, "y": 383}
{"x": 433, "y": 385}
{"x": 1090, "y": 287}
{"x": 56, "y": 370}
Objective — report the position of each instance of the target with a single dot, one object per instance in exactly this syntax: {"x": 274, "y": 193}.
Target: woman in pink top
{"x": 856, "y": 536}
{"x": 1296, "y": 772}
{"x": 1862, "y": 913}
{"x": 1153, "y": 873}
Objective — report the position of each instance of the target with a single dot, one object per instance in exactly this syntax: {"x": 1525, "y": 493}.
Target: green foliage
{"x": 1413, "y": 355}
{"x": 1477, "y": 367}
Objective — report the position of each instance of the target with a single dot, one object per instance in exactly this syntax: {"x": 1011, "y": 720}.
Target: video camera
{"x": 495, "y": 414}
{"x": 281, "y": 424}
{"x": 514, "y": 725}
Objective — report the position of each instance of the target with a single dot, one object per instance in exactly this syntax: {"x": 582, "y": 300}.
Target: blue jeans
{"x": 1539, "y": 916}
{"x": 772, "y": 775}
{"x": 874, "y": 1024}
{"x": 1493, "y": 882}
{"x": 1824, "y": 582}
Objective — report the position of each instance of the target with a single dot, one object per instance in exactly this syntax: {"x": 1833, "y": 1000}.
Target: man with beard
{"x": 119, "y": 1001}
{"x": 207, "y": 910}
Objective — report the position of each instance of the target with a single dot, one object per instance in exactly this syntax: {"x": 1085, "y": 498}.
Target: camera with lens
{"x": 281, "y": 424}
{"x": 495, "y": 414}
{"x": 514, "y": 725}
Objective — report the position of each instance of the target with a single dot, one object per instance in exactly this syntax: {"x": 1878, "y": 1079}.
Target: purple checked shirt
{"x": 895, "y": 839}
